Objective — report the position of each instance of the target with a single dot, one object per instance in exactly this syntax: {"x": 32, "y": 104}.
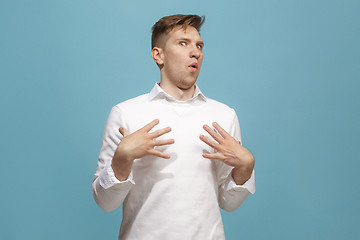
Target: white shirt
{"x": 176, "y": 198}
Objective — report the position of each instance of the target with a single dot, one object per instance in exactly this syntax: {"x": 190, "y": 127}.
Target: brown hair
{"x": 166, "y": 24}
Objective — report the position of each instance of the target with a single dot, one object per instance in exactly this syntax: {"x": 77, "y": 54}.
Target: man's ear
{"x": 156, "y": 54}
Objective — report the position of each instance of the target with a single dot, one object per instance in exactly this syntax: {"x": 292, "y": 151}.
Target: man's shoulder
{"x": 133, "y": 102}
{"x": 218, "y": 106}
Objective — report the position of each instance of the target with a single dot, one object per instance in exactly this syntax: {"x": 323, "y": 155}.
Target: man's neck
{"x": 178, "y": 93}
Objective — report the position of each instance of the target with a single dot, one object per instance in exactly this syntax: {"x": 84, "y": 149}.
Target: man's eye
{"x": 199, "y": 46}
{"x": 182, "y": 43}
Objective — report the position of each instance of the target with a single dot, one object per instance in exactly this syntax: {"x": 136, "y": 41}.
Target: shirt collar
{"x": 158, "y": 93}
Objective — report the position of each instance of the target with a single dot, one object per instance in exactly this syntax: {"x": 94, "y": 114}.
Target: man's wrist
{"x": 121, "y": 167}
{"x": 240, "y": 176}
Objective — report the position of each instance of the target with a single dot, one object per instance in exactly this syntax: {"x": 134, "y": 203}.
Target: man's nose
{"x": 195, "y": 52}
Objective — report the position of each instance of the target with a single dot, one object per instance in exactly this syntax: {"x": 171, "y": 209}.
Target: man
{"x": 161, "y": 158}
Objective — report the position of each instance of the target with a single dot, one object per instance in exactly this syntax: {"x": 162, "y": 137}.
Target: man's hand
{"x": 136, "y": 145}
{"x": 229, "y": 151}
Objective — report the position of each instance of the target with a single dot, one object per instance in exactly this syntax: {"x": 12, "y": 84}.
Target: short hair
{"x": 166, "y": 24}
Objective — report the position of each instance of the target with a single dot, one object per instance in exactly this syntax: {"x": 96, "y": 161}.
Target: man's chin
{"x": 187, "y": 85}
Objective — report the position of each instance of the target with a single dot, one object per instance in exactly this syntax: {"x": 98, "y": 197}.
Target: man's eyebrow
{"x": 184, "y": 39}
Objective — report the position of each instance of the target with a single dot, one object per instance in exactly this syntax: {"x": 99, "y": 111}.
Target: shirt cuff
{"x": 107, "y": 179}
{"x": 230, "y": 184}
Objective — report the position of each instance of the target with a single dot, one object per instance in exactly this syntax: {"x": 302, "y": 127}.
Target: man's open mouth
{"x": 193, "y": 66}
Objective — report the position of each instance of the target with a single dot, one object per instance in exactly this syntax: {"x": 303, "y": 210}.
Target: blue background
{"x": 289, "y": 68}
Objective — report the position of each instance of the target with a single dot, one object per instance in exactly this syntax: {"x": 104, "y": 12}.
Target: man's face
{"x": 181, "y": 57}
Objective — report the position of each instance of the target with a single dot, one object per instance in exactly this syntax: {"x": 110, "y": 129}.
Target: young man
{"x": 161, "y": 158}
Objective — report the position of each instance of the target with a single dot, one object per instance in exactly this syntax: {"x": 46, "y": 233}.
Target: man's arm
{"x": 233, "y": 159}
{"x": 119, "y": 149}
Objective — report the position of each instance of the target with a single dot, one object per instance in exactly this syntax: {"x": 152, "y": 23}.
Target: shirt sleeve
{"x": 231, "y": 195}
{"x": 109, "y": 193}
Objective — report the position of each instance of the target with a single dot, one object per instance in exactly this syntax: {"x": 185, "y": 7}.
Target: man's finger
{"x": 213, "y": 134}
{"x": 150, "y": 125}
{"x": 215, "y": 156}
{"x": 159, "y": 154}
{"x": 159, "y": 132}
{"x": 222, "y": 132}
{"x": 124, "y": 131}
{"x": 209, "y": 142}
{"x": 163, "y": 142}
